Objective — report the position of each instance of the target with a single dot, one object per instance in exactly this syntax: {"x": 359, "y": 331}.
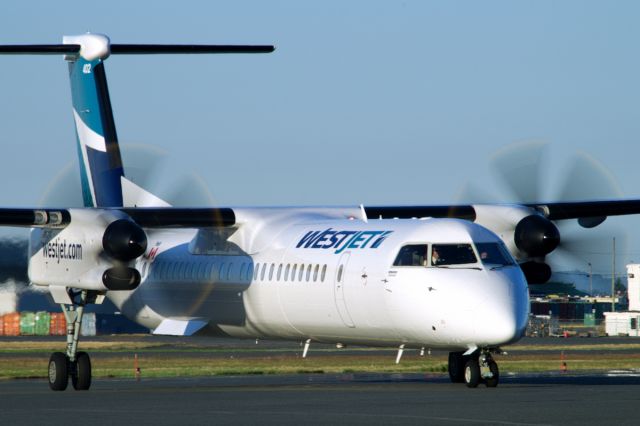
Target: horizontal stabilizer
{"x": 180, "y": 327}
{"x": 152, "y": 49}
{"x": 135, "y": 49}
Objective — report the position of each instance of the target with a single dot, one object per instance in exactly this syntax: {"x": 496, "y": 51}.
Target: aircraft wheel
{"x": 492, "y": 381}
{"x": 456, "y": 367}
{"x": 472, "y": 373}
{"x": 58, "y": 371}
{"x": 81, "y": 374}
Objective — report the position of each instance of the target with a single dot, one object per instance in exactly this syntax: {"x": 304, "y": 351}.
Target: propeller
{"x": 124, "y": 240}
{"x": 523, "y": 169}
{"x": 151, "y": 168}
{"x": 145, "y": 165}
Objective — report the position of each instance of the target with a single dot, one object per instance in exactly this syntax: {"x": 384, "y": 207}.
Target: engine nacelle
{"x": 124, "y": 240}
{"x": 536, "y": 235}
{"x": 121, "y": 278}
{"x": 526, "y": 233}
{"x": 536, "y": 272}
{"x": 93, "y": 252}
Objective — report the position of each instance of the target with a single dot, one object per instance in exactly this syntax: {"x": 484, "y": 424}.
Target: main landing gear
{"x": 479, "y": 367}
{"x": 72, "y": 364}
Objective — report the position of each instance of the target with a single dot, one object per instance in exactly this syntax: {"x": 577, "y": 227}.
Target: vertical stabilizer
{"x": 101, "y": 171}
{"x": 99, "y": 154}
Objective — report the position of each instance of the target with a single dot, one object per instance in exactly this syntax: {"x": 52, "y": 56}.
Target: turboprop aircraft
{"x": 453, "y": 278}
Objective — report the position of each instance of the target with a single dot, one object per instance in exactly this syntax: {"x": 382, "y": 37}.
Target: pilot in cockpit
{"x": 435, "y": 256}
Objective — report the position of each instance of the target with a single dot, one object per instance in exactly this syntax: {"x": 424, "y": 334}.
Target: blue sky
{"x": 362, "y": 102}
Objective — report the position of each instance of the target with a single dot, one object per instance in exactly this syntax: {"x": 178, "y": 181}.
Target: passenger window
{"x": 279, "y": 271}
{"x": 412, "y": 255}
{"x": 452, "y": 254}
{"x": 315, "y": 273}
{"x": 221, "y": 272}
{"x": 301, "y": 272}
{"x": 324, "y": 273}
{"x": 286, "y": 272}
{"x": 257, "y": 272}
{"x": 264, "y": 270}
{"x": 229, "y": 271}
{"x": 339, "y": 277}
{"x": 273, "y": 266}
{"x": 293, "y": 272}
{"x": 308, "y": 272}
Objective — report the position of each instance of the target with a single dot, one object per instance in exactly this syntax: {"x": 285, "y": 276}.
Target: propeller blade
{"x": 472, "y": 194}
{"x": 587, "y": 179}
{"x": 190, "y": 190}
{"x": 518, "y": 167}
{"x": 579, "y": 247}
{"x": 145, "y": 165}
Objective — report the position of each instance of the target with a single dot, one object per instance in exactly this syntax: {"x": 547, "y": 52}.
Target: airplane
{"x": 447, "y": 277}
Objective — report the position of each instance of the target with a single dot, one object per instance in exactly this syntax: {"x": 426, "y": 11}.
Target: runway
{"x": 553, "y": 399}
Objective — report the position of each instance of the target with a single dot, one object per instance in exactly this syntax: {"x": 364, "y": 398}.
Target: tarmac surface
{"x": 329, "y": 399}
{"x": 554, "y": 398}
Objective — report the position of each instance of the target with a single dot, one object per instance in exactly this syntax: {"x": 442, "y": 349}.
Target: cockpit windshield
{"x": 494, "y": 254}
{"x": 412, "y": 255}
{"x": 452, "y": 254}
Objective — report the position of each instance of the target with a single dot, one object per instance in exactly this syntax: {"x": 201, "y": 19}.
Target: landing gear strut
{"x": 474, "y": 369}
{"x": 74, "y": 364}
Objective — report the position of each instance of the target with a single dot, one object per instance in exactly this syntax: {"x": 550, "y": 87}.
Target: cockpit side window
{"x": 452, "y": 254}
{"x": 412, "y": 255}
{"x": 494, "y": 254}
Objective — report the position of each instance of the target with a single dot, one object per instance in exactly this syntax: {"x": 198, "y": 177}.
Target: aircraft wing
{"x": 198, "y": 217}
{"x": 552, "y": 211}
{"x": 147, "y": 217}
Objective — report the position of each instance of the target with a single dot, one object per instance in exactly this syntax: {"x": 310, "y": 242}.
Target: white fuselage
{"x": 329, "y": 280}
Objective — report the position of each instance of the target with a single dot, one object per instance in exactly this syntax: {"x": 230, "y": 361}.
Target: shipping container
{"x": 57, "y": 324}
{"x": 88, "y": 327}
{"x": 27, "y": 323}
{"x": 11, "y": 324}
{"x": 42, "y": 323}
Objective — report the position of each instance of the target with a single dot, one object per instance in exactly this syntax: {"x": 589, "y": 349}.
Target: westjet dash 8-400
{"x": 453, "y": 278}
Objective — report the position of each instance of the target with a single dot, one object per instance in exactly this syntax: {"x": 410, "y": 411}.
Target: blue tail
{"x": 101, "y": 169}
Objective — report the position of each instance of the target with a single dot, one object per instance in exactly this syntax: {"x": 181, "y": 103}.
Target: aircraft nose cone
{"x": 503, "y": 316}
{"x": 501, "y": 328}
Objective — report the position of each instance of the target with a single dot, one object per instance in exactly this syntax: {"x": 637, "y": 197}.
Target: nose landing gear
{"x": 479, "y": 367}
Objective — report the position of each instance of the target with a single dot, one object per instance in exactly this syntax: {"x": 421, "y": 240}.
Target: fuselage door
{"x": 341, "y": 280}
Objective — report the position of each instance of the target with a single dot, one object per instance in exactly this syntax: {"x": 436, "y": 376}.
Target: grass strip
{"x": 175, "y": 366}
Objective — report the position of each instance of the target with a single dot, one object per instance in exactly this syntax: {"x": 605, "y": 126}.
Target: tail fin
{"x": 101, "y": 169}
{"x": 99, "y": 154}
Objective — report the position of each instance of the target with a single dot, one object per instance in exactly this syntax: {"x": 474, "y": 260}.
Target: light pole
{"x": 590, "y": 279}
{"x": 613, "y": 277}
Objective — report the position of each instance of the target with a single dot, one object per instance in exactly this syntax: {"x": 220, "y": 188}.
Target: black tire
{"x": 456, "y": 367}
{"x": 472, "y": 373}
{"x": 493, "y": 381}
{"x": 81, "y": 375}
{"x": 58, "y": 371}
